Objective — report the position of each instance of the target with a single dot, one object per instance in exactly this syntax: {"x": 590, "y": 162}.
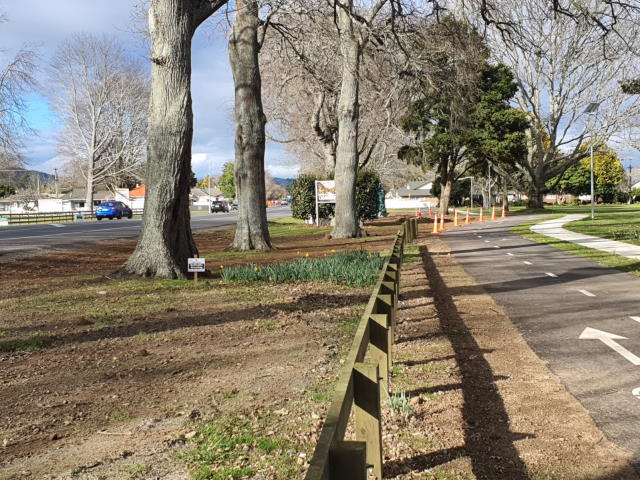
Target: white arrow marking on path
{"x": 609, "y": 340}
{"x": 637, "y": 319}
{"x": 636, "y": 393}
{"x": 510, "y": 254}
{"x": 552, "y": 275}
{"x": 527, "y": 263}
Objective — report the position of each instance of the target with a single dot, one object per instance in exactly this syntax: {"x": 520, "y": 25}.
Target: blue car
{"x": 113, "y": 210}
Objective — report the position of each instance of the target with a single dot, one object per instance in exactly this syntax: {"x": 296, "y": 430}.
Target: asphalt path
{"x": 22, "y": 239}
{"x": 553, "y": 296}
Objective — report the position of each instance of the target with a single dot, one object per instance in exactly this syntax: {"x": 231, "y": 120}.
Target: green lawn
{"x": 607, "y": 259}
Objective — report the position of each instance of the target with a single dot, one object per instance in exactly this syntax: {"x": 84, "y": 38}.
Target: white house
{"x": 414, "y": 195}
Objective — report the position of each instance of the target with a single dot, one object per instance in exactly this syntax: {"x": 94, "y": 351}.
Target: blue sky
{"x": 43, "y": 25}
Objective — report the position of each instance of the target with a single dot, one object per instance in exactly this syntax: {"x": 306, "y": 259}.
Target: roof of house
{"x": 140, "y": 191}
{"x": 199, "y": 192}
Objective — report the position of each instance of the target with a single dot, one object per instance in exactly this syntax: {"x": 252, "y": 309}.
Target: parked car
{"x": 113, "y": 210}
{"x": 233, "y": 206}
{"x": 220, "y": 206}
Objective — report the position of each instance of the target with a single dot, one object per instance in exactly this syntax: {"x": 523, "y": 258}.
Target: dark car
{"x": 220, "y": 206}
{"x": 113, "y": 210}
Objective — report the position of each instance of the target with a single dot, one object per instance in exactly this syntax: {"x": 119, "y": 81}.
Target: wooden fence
{"x": 364, "y": 381}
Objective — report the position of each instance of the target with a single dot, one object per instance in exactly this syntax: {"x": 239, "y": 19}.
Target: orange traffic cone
{"x": 466, "y": 220}
{"x": 435, "y": 224}
{"x": 481, "y": 214}
{"x": 493, "y": 213}
{"x": 455, "y": 218}
{"x": 504, "y": 212}
{"x": 442, "y": 229}
{"x": 430, "y": 213}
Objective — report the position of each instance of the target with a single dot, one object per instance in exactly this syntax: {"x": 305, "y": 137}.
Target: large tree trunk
{"x": 346, "y": 222}
{"x": 445, "y": 195}
{"x": 252, "y": 232}
{"x": 535, "y": 197}
{"x": 166, "y": 241}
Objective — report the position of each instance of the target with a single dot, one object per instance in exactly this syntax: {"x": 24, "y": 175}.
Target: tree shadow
{"x": 488, "y": 441}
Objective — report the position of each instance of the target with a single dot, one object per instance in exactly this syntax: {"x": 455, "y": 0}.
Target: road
{"x": 556, "y": 298}
{"x": 25, "y": 238}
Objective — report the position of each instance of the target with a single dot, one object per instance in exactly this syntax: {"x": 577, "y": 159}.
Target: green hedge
{"x": 356, "y": 268}
{"x": 368, "y": 186}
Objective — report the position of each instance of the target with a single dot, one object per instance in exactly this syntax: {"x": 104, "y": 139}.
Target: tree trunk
{"x": 535, "y": 197}
{"x": 252, "y": 232}
{"x": 88, "y": 198}
{"x": 346, "y": 222}
{"x": 166, "y": 240}
{"x": 329, "y": 158}
{"x": 445, "y": 195}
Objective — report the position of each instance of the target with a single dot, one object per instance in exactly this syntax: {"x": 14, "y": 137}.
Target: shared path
{"x": 582, "y": 318}
{"x": 26, "y": 238}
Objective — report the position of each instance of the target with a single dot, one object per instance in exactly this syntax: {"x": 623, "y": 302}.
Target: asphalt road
{"x": 553, "y": 296}
{"x": 21, "y": 239}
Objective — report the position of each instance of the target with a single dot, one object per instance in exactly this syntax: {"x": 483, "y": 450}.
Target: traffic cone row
{"x": 439, "y": 219}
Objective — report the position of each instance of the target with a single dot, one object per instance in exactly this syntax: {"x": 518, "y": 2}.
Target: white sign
{"x": 326, "y": 191}
{"x": 196, "y": 265}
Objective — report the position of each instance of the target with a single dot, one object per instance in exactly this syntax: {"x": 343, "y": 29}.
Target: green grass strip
{"x": 624, "y": 264}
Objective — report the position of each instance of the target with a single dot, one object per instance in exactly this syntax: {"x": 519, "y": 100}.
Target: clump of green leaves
{"x": 354, "y": 268}
{"x": 230, "y": 449}
{"x": 399, "y": 403}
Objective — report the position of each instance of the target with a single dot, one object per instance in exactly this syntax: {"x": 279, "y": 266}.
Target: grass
{"x": 284, "y": 227}
{"x": 399, "y": 403}
{"x": 33, "y": 344}
{"x": 615, "y": 224}
{"x": 354, "y": 268}
{"x": 618, "y": 262}
{"x": 230, "y": 449}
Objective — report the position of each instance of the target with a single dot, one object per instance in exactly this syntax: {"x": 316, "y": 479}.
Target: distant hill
{"x": 284, "y": 182}
{"x": 25, "y": 178}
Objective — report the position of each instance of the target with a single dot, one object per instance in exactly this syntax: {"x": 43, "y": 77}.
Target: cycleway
{"x": 582, "y": 318}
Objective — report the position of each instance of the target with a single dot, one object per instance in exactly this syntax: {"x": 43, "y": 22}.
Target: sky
{"x": 43, "y": 25}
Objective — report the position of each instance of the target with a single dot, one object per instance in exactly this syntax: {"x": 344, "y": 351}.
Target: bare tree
{"x": 166, "y": 240}
{"x": 101, "y": 98}
{"x": 252, "y": 231}
{"x": 17, "y": 77}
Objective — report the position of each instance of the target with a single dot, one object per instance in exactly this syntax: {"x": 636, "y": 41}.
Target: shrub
{"x": 303, "y": 203}
{"x": 356, "y": 268}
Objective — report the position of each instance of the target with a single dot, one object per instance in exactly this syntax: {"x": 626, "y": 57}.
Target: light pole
{"x": 592, "y": 109}
{"x": 470, "y": 189}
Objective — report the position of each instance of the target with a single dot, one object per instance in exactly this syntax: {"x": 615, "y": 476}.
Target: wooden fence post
{"x": 381, "y": 340}
{"x": 366, "y": 398}
{"x": 348, "y": 460}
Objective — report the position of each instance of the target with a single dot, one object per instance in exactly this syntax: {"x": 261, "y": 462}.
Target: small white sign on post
{"x": 196, "y": 265}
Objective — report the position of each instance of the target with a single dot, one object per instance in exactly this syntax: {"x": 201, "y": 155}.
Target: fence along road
{"x": 363, "y": 380}
{"x": 25, "y": 238}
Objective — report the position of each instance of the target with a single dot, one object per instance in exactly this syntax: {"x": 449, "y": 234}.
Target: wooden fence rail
{"x": 364, "y": 381}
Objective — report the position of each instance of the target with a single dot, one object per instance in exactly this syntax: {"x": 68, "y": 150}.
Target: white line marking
{"x": 637, "y": 319}
{"x": 479, "y": 236}
{"x": 609, "y": 340}
{"x": 510, "y": 254}
{"x": 636, "y": 393}
{"x": 587, "y": 293}
{"x": 552, "y": 275}
{"x": 486, "y": 241}
{"x": 58, "y": 225}
{"x": 496, "y": 246}
{"x": 527, "y": 263}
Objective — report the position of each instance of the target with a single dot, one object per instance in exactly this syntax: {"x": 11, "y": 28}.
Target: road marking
{"x": 527, "y": 263}
{"x": 496, "y": 246}
{"x": 58, "y": 225}
{"x": 510, "y": 254}
{"x": 487, "y": 241}
{"x": 587, "y": 293}
{"x": 636, "y": 393}
{"x": 479, "y": 236}
{"x": 609, "y": 340}
{"x": 552, "y": 275}
{"x": 637, "y": 319}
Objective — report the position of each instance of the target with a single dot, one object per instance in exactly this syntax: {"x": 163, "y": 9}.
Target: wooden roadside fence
{"x": 364, "y": 381}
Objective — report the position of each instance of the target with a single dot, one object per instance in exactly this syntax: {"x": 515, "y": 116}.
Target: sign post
{"x": 196, "y": 265}
{"x": 325, "y": 193}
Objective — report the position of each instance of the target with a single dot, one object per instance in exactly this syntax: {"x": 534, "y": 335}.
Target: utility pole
{"x": 593, "y": 200}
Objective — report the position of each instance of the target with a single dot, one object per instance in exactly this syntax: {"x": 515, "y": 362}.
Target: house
{"x": 417, "y": 194}
{"x": 201, "y": 199}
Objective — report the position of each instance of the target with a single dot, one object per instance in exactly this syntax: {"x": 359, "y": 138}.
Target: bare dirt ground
{"x": 104, "y": 378}
{"x": 484, "y": 406}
